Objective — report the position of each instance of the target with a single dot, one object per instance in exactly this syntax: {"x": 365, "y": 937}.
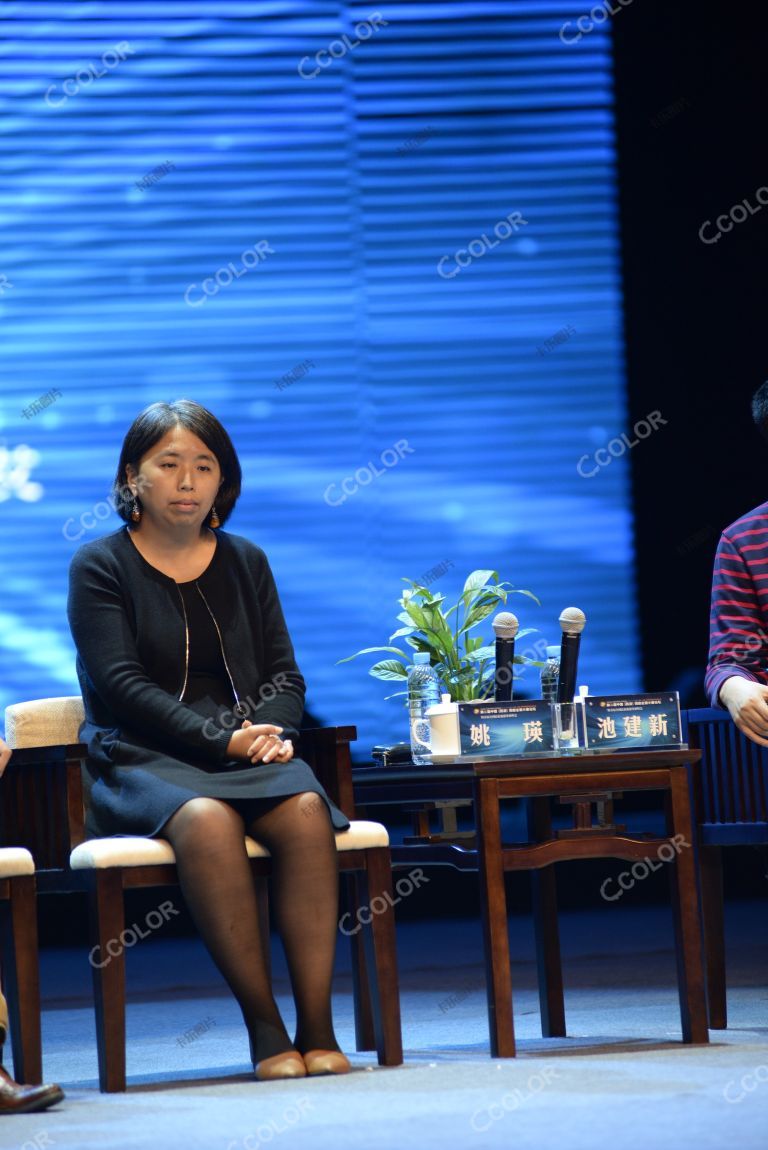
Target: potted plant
{"x": 464, "y": 661}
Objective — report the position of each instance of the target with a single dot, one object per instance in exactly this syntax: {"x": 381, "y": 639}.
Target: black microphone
{"x": 505, "y": 626}
{"x": 572, "y": 622}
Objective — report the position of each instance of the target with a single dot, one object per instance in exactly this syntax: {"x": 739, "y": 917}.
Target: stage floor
{"x": 621, "y": 1079}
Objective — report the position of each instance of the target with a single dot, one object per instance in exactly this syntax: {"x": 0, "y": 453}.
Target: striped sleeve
{"x": 738, "y": 643}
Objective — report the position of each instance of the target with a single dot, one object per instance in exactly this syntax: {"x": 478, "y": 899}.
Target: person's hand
{"x": 747, "y": 702}
{"x": 5, "y": 754}
{"x": 267, "y": 745}
{"x": 261, "y": 743}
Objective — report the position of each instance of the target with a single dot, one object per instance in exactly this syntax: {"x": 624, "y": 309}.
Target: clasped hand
{"x": 261, "y": 743}
{"x": 747, "y": 702}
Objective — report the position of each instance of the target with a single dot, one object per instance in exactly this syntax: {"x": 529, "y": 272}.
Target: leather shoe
{"x": 18, "y": 1099}
{"x": 326, "y": 1062}
{"x": 289, "y": 1064}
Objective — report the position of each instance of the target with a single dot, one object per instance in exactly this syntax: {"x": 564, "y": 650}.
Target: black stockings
{"x": 217, "y": 884}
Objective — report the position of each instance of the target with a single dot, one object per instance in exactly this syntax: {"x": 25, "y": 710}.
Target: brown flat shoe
{"x": 290, "y": 1064}
{"x": 326, "y": 1062}
{"x": 18, "y": 1099}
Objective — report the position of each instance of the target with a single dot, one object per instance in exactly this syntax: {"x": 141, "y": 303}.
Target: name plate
{"x": 505, "y": 729}
{"x": 629, "y": 722}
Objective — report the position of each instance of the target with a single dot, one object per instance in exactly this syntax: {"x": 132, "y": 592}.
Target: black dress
{"x": 133, "y": 787}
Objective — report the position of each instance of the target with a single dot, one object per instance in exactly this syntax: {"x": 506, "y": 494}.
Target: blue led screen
{"x": 381, "y": 243}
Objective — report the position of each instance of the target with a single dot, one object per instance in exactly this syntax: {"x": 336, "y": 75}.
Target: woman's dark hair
{"x": 760, "y": 409}
{"x": 157, "y": 420}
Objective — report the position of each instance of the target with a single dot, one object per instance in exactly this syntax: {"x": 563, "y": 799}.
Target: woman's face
{"x": 177, "y": 480}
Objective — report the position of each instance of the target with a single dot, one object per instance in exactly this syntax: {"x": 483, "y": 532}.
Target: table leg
{"x": 493, "y": 908}
{"x": 686, "y": 912}
{"x": 547, "y": 933}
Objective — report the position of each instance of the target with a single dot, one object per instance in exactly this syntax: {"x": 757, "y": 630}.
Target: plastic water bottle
{"x": 550, "y": 673}
{"x": 423, "y": 692}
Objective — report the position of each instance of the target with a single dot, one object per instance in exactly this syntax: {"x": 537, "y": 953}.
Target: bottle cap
{"x": 421, "y": 657}
{"x": 553, "y": 652}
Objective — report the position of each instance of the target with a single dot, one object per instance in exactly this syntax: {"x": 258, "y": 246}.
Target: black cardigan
{"x": 127, "y": 621}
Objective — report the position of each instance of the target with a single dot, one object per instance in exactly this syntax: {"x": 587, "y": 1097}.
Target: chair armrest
{"x": 34, "y": 756}
{"x": 326, "y": 749}
{"x": 41, "y": 803}
{"x": 708, "y": 715}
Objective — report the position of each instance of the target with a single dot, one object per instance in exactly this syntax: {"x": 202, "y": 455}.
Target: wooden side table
{"x": 582, "y": 780}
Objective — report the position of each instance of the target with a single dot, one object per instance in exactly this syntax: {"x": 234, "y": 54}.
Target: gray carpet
{"x": 622, "y": 1079}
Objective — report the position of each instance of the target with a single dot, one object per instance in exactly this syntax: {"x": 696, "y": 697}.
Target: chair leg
{"x": 686, "y": 912}
{"x": 381, "y": 957}
{"x": 23, "y": 979}
{"x": 365, "y": 1035}
{"x": 711, "y": 869}
{"x": 107, "y": 958}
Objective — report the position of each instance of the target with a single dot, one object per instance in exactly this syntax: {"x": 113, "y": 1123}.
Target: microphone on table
{"x": 505, "y": 626}
{"x": 572, "y": 622}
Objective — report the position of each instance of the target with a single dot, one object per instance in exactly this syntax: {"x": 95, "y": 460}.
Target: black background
{"x": 695, "y": 313}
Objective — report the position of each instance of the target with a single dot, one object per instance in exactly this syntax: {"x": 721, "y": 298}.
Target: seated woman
{"x": 192, "y": 697}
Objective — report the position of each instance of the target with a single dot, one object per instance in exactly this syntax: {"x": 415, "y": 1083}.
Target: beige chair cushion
{"x": 98, "y": 854}
{"x": 15, "y": 861}
{"x": 362, "y": 834}
{"x": 49, "y": 722}
{"x": 43, "y": 722}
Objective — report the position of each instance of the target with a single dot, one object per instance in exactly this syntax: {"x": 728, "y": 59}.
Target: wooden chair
{"x": 42, "y": 807}
{"x": 731, "y": 801}
{"x": 20, "y": 965}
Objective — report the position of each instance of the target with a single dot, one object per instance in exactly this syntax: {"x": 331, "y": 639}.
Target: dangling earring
{"x": 215, "y": 521}
{"x": 136, "y": 511}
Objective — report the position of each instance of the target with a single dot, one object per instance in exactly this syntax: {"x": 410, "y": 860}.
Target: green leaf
{"x": 471, "y": 599}
{"x": 440, "y": 646}
{"x": 419, "y": 616}
{"x": 416, "y": 590}
{"x": 401, "y": 632}
{"x": 530, "y": 594}
{"x": 438, "y": 626}
{"x": 482, "y": 653}
{"x": 369, "y": 651}
{"x": 479, "y": 612}
{"x": 430, "y": 642}
{"x": 479, "y": 579}
{"x": 389, "y": 669}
